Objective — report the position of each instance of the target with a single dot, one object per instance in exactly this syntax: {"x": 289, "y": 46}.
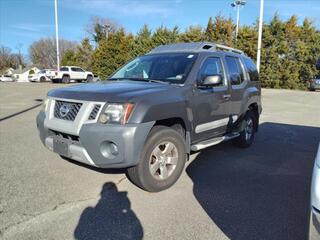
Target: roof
{"x": 194, "y": 47}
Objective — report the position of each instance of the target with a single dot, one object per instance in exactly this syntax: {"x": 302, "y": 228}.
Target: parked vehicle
{"x": 96, "y": 78}
{"x": 5, "y": 78}
{"x": 42, "y": 76}
{"x": 314, "y": 227}
{"x": 69, "y": 73}
{"x": 315, "y": 83}
{"x": 155, "y": 110}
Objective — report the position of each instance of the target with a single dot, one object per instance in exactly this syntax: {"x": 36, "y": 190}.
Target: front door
{"x": 210, "y": 105}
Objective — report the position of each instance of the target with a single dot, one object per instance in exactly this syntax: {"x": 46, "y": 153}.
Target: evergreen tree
{"x": 193, "y": 34}
{"x": 143, "y": 41}
{"x": 112, "y": 53}
{"x": 210, "y": 34}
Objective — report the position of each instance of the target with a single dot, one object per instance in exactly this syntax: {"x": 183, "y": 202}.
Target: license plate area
{"x": 61, "y": 147}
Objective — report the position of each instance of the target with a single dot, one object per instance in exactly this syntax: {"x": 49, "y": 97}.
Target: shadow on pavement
{"x": 20, "y": 112}
{"x": 111, "y": 218}
{"x": 261, "y": 192}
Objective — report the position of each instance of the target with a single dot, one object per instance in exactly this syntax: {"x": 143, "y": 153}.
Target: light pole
{"x": 107, "y": 28}
{"x": 57, "y": 35}
{"x": 238, "y": 4}
{"x": 260, "y": 35}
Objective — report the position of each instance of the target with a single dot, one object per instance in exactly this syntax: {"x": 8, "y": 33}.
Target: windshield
{"x": 172, "y": 68}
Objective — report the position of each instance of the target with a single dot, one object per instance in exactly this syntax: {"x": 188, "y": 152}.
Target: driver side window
{"x": 212, "y": 66}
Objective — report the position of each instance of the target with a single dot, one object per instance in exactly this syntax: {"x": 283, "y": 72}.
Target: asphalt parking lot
{"x": 224, "y": 193}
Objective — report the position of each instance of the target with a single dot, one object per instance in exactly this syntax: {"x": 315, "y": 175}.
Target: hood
{"x": 115, "y": 91}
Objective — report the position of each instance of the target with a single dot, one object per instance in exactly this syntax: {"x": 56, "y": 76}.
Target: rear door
{"x": 210, "y": 105}
{"x": 74, "y": 74}
{"x": 81, "y": 73}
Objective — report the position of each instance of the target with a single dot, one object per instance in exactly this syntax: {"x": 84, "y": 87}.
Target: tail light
{"x": 56, "y": 73}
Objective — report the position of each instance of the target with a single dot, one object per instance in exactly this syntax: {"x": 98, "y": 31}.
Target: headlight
{"x": 116, "y": 113}
{"x": 45, "y": 104}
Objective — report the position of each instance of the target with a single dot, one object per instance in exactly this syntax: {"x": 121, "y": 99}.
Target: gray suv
{"x": 154, "y": 111}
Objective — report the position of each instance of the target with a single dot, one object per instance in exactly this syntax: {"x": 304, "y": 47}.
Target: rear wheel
{"x": 162, "y": 160}
{"x": 42, "y": 79}
{"x": 89, "y": 78}
{"x": 65, "y": 79}
{"x": 247, "y": 134}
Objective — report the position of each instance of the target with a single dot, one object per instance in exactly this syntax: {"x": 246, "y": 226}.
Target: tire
{"x": 246, "y": 137}
{"x": 65, "y": 79}
{"x": 42, "y": 79}
{"x": 89, "y": 78}
{"x": 154, "y": 171}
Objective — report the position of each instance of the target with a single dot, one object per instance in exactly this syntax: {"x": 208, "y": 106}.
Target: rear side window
{"x": 64, "y": 69}
{"x": 235, "y": 70}
{"x": 251, "y": 69}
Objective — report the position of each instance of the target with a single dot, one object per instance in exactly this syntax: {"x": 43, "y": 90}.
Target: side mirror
{"x": 212, "y": 80}
{"x": 318, "y": 64}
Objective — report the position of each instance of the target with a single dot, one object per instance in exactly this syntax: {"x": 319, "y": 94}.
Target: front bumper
{"x": 90, "y": 146}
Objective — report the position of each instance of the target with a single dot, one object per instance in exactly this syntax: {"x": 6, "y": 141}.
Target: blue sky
{"x": 24, "y": 21}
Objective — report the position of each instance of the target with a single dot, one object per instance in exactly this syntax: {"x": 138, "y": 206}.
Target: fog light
{"x": 109, "y": 149}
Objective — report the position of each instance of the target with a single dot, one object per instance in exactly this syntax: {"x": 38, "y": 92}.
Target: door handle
{"x": 226, "y": 96}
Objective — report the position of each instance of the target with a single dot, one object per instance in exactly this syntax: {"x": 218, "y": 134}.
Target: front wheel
{"x": 248, "y": 130}
{"x": 162, "y": 160}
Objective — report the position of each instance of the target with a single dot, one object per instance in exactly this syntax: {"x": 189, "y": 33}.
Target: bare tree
{"x": 99, "y": 28}
{"x": 8, "y": 59}
{"x": 43, "y": 52}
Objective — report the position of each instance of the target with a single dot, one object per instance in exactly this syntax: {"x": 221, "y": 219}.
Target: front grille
{"x": 94, "y": 112}
{"x": 66, "y": 110}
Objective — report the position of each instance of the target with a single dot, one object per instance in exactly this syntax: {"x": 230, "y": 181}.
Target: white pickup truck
{"x": 68, "y": 73}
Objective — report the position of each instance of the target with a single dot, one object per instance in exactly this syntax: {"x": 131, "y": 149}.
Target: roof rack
{"x": 194, "y": 47}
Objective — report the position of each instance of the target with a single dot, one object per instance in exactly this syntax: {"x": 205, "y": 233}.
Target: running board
{"x": 213, "y": 141}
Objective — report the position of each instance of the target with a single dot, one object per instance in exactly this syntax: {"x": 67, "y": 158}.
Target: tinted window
{"x": 65, "y": 69}
{"x": 74, "y": 69}
{"x": 79, "y": 70}
{"x": 235, "y": 70}
{"x": 211, "y": 66}
{"x": 251, "y": 69}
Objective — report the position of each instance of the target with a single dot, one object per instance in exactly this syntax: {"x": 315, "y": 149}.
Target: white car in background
{"x": 5, "y": 78}
{"x": 69, "y": 73}
{"x": 42, "y": 76}
{"x": 314, "y": 228}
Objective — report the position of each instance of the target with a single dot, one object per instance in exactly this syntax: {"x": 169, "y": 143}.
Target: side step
{"x": 213, "y": 141}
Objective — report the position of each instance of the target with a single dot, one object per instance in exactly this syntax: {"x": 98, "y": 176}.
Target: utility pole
{"x": 107, "y": 28}
{"x": 260, "y": 34}
{"x": 57, "y": 34}
{"x": 237, "y": 4}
